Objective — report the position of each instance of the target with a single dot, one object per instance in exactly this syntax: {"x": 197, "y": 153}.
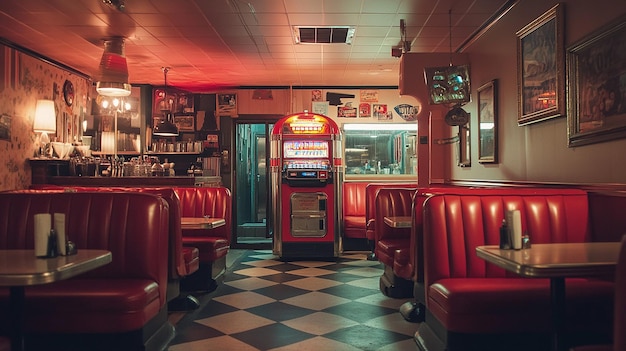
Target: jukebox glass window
{"x": 380, "y": 149}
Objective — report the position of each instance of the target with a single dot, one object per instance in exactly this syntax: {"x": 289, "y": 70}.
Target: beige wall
{"x": 538, "y": 152}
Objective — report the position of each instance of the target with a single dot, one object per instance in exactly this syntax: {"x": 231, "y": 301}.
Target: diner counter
{"x": 123, "y": 181}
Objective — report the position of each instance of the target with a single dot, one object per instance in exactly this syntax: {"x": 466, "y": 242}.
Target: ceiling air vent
{"x": 324, "y": 35}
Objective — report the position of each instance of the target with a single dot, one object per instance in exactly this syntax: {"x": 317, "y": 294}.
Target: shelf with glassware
{"x": 114, "y": 126}
{"x": 180, "y": 133}
{"x": 195, "y": 151}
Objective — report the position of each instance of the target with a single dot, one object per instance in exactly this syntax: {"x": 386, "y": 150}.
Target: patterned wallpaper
{"x": 23, "y": 80}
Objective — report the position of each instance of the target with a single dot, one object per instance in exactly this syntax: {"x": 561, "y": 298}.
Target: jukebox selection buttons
{"x": 307, "y": 164}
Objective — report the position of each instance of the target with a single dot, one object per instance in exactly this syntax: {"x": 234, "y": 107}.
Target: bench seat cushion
{"x": 386, "y": 249}
{"x": 492, "y": 305}
{"x": 191, "y": 258}
{"x": 75, "y": 302}
{"x": 354, "y": 226}
{"x": 210, "y": 248}
{"x": 402, "y": 264}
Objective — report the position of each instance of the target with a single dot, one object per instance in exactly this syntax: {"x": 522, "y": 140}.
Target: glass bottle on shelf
{"x": 190, "y": 170}
{"x": 197, "y": 171}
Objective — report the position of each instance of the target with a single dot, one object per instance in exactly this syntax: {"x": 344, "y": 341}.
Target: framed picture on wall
{"x": 185, "y": 123}
{"x": 597, "y": 93}
{"x": 5, "y": 126}
{"x": 227, "y": 105}
{"x": 464, "y": 151}
{"x": 541, "y": 68}
{"x": 487, "y": 123}
{"x": 320, "y": 107}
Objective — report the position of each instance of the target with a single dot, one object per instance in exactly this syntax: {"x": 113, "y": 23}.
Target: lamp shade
{"x": 165, "y": 128}
{"x": 107, "y": 143}
{"x": 45, "y": 117}
{"x": 113, "y": 71}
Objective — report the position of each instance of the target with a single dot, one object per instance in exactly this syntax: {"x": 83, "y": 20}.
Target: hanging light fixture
{"x": 113, "y": 72}
{"x": 165, "y": 128}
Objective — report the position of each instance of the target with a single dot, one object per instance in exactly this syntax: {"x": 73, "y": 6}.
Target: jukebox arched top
{"x": 306, "y": 123}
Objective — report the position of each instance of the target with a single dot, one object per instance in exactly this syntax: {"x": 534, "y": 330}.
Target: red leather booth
{"x": 469, "y": 300}
{"x": 121, "y": 305}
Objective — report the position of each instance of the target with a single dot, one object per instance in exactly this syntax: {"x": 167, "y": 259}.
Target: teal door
{"x": 252, "y": 185}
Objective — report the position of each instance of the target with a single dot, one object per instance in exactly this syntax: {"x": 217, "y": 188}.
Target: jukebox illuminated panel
{"x": 306, "y": 177}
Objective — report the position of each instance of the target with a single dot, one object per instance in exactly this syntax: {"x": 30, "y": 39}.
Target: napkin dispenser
{"x": 50, "y": 238}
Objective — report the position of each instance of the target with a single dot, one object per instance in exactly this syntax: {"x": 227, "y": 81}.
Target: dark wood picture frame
{"x": 465, "y": 155}
{"x": 541, "y": 68}
{"x": 597, "y": 96}
{"x": 185, "y": 123}
{"x": 227, "y": 105}
{"x": 488, "y": 122}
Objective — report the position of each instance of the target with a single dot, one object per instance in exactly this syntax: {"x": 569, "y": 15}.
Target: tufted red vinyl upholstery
{"x": 370, "y": 200}
{"x": 207, "y": 201}
{"x": 468, "y": 295}
{"x": 392, "y": 202}
{"x": 183, "y": 260}
{"x": 353, "y": 203}
{"x": 198, "y": 246}
{"x": 119, "y": 297}
{"x": 414, "y": 258}
{"x": 606, "y": 215}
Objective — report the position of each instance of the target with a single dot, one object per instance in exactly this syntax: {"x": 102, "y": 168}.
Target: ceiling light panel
{"x": 324, "y": 35}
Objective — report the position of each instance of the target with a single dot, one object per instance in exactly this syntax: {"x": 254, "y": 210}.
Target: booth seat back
{"x": 370, "y": 199}
{"x": 416, "y": 255}
{"x": 214, "y": 202}
{"x": 416, "y": 260}
{"x": 179, "y": 265}
{"x": 455, "y": 224}
{"x": 134, "y": 227}
{"x": 354, "y": 198}
{"x": 353, "y": 205}
{"x": 606, "y": 215}
{"x": 392, "y": 202}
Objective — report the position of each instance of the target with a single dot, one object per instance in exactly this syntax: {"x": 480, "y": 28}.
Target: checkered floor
{"x": 267, "y": 304}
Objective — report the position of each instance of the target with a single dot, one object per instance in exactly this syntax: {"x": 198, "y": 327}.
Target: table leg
{"x": 557, "y": 301}
{"x": 16, "y": 316}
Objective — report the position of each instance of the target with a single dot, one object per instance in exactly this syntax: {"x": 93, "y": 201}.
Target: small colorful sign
{"x": 407, "y": 112}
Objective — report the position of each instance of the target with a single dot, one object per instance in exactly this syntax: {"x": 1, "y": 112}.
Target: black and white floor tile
{"x": 267, "y": 304}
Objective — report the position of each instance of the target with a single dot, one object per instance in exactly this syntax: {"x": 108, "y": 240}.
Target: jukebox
{"x": 306, "y": 177}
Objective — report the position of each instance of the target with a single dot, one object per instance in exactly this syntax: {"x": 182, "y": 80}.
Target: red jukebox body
{"x": 306, "y": 174}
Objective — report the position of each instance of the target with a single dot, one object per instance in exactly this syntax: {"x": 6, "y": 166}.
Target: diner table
{"x": 398, "y": 221}
{"x": 20, "y": 268}
{"x": 556, "y": 262}
{"x": 201, "y": 222}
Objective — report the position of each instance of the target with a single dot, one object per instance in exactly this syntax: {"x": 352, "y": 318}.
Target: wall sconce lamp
{"x": 45, "y": 122}
{"x": 113, "y": 69}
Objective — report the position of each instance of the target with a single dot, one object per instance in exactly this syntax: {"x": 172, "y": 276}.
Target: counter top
{"x": 123, "y": 181}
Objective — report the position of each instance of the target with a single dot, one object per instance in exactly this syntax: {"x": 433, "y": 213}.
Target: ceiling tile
{"x": 238, "y": 42}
